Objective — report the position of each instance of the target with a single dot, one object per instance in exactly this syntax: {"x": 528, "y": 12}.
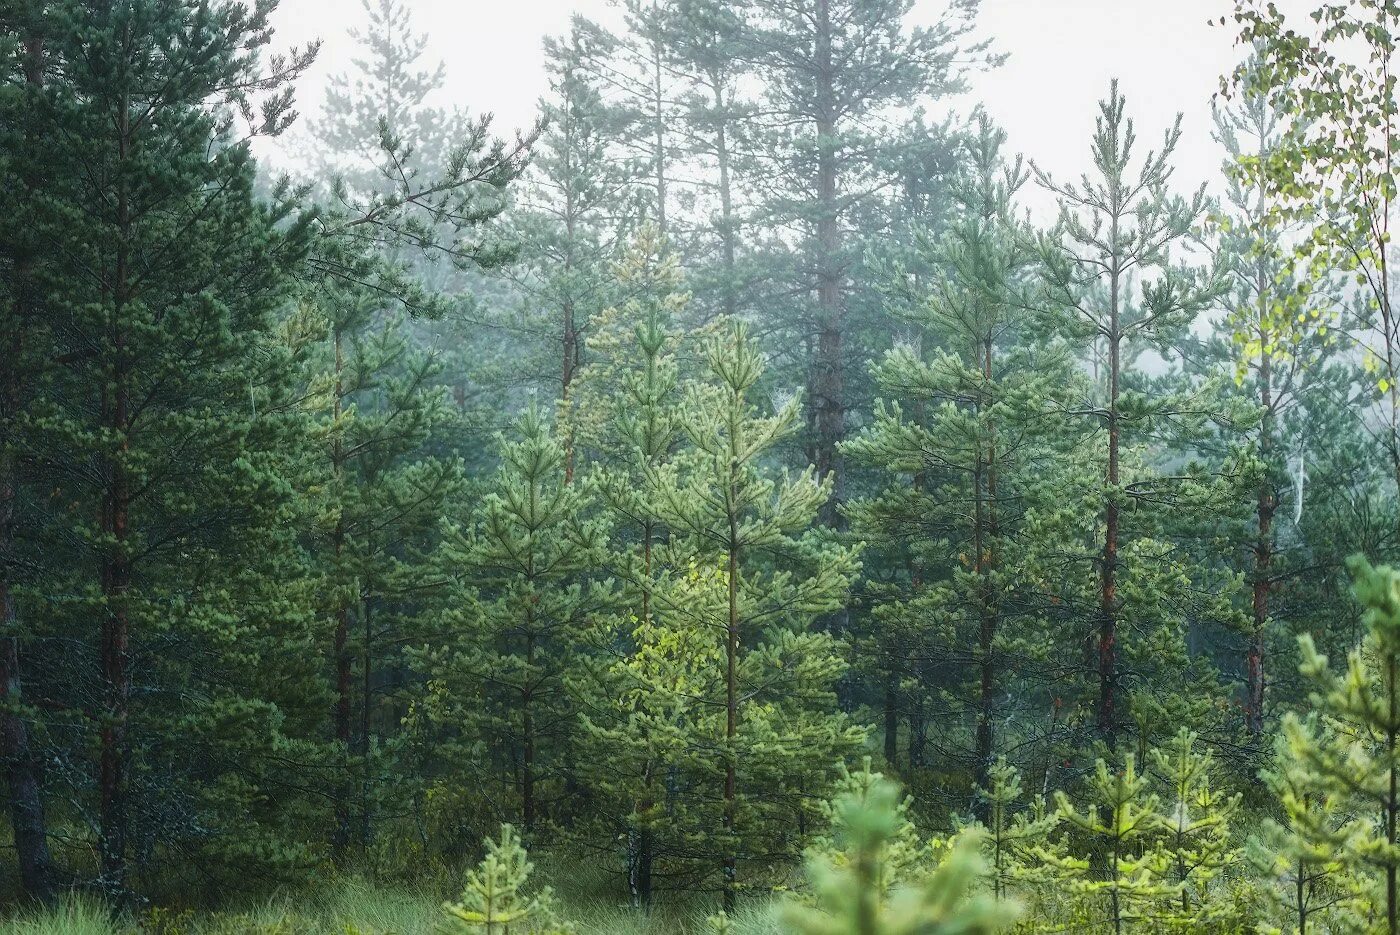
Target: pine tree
{"x": 515, "y": 623}
{"x": 1299, "y": 853}
{"x": 1117, "y": 228}
{"x": 833, "y": 71}
{"x": 627, "y": 413}
{"x": 853, "y": 895}
{"x": 1122, "y": 863}
{"x": 1352, "y": 756}
{"x": 965, "y": 415}
{"x": 903, "y": 858}
{"x": 495, "y": 900}
{"x": 1196, "y": 825}
{"x": 746, "y": 581}
{"x": 408, "y": 182}
{"x": 1017, "y": 835}
{"x": 23, "y": 62}
{"x": 381, "y": 498}
{"x": 168, "y": 438}
{"x": 417, "y": 191}
{"x": 578, "y": 204}
{"x": 702, "y": 39}
{"x": 644, "y": 87}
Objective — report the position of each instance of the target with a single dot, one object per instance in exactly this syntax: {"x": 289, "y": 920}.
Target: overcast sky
{"x": 1063, "y": 53}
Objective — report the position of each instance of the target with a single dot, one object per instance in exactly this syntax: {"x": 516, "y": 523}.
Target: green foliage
{"x": 856, "y": 892}
{"x": 274, "y": 623}
{"x": 964, "y": 414}
{"x": 515, "y": 621}
{"x": 495, "y": 898}
{"x": 1121, "y": 868}
{"x": 734, "y": 643}
{"x": 1016, "y": 839}
{"x": 902, "y": 858}
{"x": 1299, "y": 853}
{"x": 1345, "y": 763}
{"x": 1195, "y": 828}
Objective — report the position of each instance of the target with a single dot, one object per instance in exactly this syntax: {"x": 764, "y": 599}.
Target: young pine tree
{"x": 853, "y": 895}
{"x": 495, "y": 899}
{"x": 1351, "y": 758}
{"x": 1196, "y": 828}
{"x": 1120, "y": 867}
{"x": 964, "y": 415}
{"x": 1299, "y": 853}
{"x": 515, "y": 622}
{"x": 1016, "y": 835}
{"x": 903, "y": 858}
{"x": 380, "y": 501}
{"x": 747, "y": 577}
{"x": 1116, "y": 232}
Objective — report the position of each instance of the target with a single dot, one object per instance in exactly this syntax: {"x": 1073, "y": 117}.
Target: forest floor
{"x": 356, "y": 906}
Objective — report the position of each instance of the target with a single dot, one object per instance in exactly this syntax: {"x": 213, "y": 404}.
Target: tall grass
{"x": 354, "y": 905}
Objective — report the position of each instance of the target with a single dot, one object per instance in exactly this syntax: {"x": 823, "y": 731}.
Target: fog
{"x": 1062, "y": 55}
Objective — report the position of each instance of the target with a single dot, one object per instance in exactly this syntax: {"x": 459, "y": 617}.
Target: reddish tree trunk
{"x": 116, "y": 572}
{"x": 1107, "y": 715}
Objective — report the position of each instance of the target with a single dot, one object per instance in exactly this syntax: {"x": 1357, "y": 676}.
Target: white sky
{"x": 1166, "y": 55}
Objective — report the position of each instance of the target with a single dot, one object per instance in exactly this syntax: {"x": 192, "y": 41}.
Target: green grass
{"x": 356, "y": 906}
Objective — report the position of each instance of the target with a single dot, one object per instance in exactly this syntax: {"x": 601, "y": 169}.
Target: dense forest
{"x": 725, "y": 489}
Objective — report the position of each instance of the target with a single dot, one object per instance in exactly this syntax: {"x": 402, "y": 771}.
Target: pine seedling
{"x": 496, "y": 898}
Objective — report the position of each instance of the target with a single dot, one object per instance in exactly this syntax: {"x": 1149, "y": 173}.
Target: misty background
{"x": 1061, "y": 56}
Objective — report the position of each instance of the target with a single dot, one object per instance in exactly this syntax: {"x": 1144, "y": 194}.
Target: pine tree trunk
{"x": 1263, "y": 557}
{"x": 891, "y": 712}
{"x": 115, "y": 561}
{"x": 365, "y": 691}
{"x": 643, "y": 856}
{"x": 728, "y": 252}
{"x": 826, "y": 383}
{"x": 986, "y": 600}
{"x": 340, "y": 839}
{"x": 658, "y": 102}
{"x": 527, "y": 736}
{"x": 731, "y": 703}
{"x": 26, "y": 805}
{"x": 1108, "y": 591}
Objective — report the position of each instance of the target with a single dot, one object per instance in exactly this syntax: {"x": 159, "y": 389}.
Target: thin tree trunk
{"x": 727, "y": 231}
{"x": 731, "y": 700}
{"x": 891, "y": 712}
{"x": 642, "y": 843}
{"x": 26, "y": 805}
{"x": 527, "y": 736}
{"x": 341, "y": 837}
{"x": 986, "y": 600}
{"x": 1108, "y": 593}
{"x": 658, "y": 102}
{"x": 826, "y": 383}
{"x": 365, "y": 690}
{"x": 1263, "y": 558}
{"x": 116, "y": 572}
